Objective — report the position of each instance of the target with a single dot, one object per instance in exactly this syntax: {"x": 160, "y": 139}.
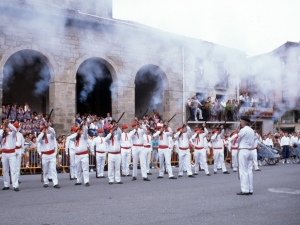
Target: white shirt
{"x": 147, "y": 140}
{"x": 163, "y": 139}
{"x": 269, "y": 142}
{"x": 10, "y": 139}
{"x": 216, "y": 140}
{"x": 100, "y": 144}
{"x": 70, "y": 144}
{"x": 183, "y": 140}
{"x": 126, "y": 139}
{"x": 81, "y": 143}
{"x": 199, "y": 141}
{"x": 246, "y": 138}
{"x": 44, "y": 146}
{"x": 285, "y": 141}
{"x": 114, "y": 145}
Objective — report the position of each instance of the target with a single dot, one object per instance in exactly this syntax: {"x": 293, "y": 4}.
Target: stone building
{"x": 72, "y": 56}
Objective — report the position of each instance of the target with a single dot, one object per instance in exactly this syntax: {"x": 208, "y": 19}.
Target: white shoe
{"x": 282, "y": 161}
{"x": 152, "y": 167}
{"x": 92, "y": 170}
{"x": 201, "y": 117}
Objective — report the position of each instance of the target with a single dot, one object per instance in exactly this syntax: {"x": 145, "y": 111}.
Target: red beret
{"x": 196, "y": 129}
{"x": 134, "y": 124}
{"x": 16, "y": 125}
{"x": 179, "y": 128}
{"x": 124, "y": 126}
{"x": 42, "y": 128}
{"x": 100, "y": 131}
{"x": 74, "y": 129}
{"x": 214, "y": 131}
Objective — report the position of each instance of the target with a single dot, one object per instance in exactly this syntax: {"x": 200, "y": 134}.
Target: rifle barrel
{"x": 120, "y": 117}
{"x": 171, "y": 118}
{"x": 8, "y": 114}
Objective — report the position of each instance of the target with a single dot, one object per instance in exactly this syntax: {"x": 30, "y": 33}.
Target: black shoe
{"x": 258, "y": 170}
{"x": 56, "y": 186}
{"x": 215, "y": 172}
{"x": 234, "y": 171}
{"x": 219, "y": 168}
{"x": 110, "y": 183}
{"x": 172, "y": 178}
{"x": 149, "y": 173}
{"x": 226, "y": 172}
{"x": 105, "y": 176}
{"x": 179, "y": 175}
{"x": 122, "y": 176}
{"x": 159, "y": 177}
{"x": 77, "y": 184}
{"x": 134, "y": 178}
{"x": 208, "y": 174}
{"x": 87, "y": 184}
{"x": 72, "y": 179}
{"x": 146, "y": 179}
{"x": 119, "y": 182}
{"x": 250, "y": 193}
{"x": 191, "y": 176}
{"x": 242, "y": 193}
{"x": 5, "y": 188}
{"x": 195, "y": 173}
{"x": 50, "y": 180}
{"x": 19, "y": 182}
{"x": 45, "y": 185}
{"x": 129, "y": 175}
{"x": 16, "y": 189}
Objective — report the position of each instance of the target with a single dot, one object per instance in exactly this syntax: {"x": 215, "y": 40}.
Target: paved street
{"x": 201, "y": 200}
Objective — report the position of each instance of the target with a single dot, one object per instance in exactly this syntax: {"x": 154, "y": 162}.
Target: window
{"x": 285, "y": 96}
{"x": 283, "y": 61}
{"x": 284, "y": 79}
{"x": 250, "y": 82}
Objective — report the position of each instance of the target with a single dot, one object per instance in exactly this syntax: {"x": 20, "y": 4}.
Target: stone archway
{"x": 151, "y": 90}
{"x": 94, "y": 87}
{"x": 26, "y": 77}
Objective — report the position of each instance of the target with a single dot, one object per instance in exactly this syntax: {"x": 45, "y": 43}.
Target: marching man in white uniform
{"x": 145, "y": 153}
{"x": 254, "y": 152}
{"x": 48, "y": 151}
{"x": 163, "y": 150}
{"x": 70, "y": 144}
{"x": 233, "y": 148}
{"x": 8, "y": 141}
{"x": 125, "y": 150}
{"x": 182, "y": 137}
{"x": 19, "y": 150}
{"x": 245, "y": 140}
{"x": 101, "y": 150}
{"x": 137, "y": 148}
{"x": 114, "y": 155}
{"x": 199, "y": 140}
{"x": 148, "y": 150}
{"x": 217, "y": 144}
{"x": 81, "y": 154}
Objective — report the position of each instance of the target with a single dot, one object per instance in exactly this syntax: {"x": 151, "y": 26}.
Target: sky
{"x": 252, "y": 26}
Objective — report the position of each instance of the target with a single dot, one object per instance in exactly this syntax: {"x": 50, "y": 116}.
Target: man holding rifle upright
{"x": 48, "y": 151}
{"x": 8, "y": 141}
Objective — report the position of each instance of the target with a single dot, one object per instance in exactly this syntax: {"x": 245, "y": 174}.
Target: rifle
{"x": 171, "y": 118}
{"x": 145, "y": 113}
{"x": 120, "y": 117}
{"x": 42, "y": 172}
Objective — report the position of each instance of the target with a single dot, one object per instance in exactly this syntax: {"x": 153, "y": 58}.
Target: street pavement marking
{"x": 285, "y": 191}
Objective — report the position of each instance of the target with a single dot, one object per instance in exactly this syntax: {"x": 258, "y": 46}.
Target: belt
{"x": 217, "y": 148}
{"x": 48, "y": 152}
{"x": 163, "y": 146}
{"x": 147, "y": 146}
{"x": 82, "y": 153}
{"x": 18, "y": 147}
{"x": 245, "y": 148}
{"x": 125, "y": 147}
{"x": 183, "y": 148}
{"x": 234, "y": 148}
{"x": 8, "y": 150}
{"x": 139, "y": 145}
{"x": 100, "y": 152}
{"x": 198, "y": 148}
{"x": 114, "y": 153}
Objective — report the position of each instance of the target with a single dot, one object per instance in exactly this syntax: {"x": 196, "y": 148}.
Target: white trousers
{"x": 18, "y": 162}
{"x": 255, "y": 163}
{"x": 73, "y": 171}
{"x": 164, "y": 154}
{"x": 148, "y": 157}
{"x": 143, "y": 162}
{"x": 184, "y": 162}
{"x": 126, "y": 156}
{"x": 136, "y": 155}
{"x": 219, "y": 158}
{"x": 234, "y": 159}
{"x": 200, "y": 158}
{"x": 114, "y": 161}
{"x": 9, "y": 163}
{"x": 82, "y": 168}
{"x": 245, "y": 158}
{"x": 100, "y": 159}
{"x": 49, "y": 168}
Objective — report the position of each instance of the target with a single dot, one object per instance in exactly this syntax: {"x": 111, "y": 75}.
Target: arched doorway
{"x": 149, "y": 90}
{"x": 26, "y": 77}
{"x": 93, "y": 87}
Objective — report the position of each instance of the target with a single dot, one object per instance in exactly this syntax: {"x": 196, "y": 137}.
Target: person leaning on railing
{"x": 33, "y": 156}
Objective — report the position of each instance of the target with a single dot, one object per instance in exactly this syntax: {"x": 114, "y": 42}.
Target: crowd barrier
{"x": 31, "y": 162}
